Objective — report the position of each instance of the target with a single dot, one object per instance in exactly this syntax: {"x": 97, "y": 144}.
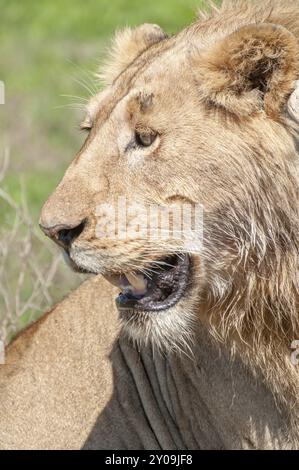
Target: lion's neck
{"x": 207, "y": 401}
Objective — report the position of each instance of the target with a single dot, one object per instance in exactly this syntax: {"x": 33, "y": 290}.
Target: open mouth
{"x": 159, "y": 290}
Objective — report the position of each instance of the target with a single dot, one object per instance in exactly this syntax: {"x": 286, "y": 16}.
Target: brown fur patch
{"x": 251, "y": 69}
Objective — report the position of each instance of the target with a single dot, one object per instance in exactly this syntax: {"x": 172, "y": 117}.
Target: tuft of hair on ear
{"x": 126, "y": 46}
{"x": 250, "y": 70}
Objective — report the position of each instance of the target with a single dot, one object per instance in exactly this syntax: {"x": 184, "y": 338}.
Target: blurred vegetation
{"x": 50, "y": 49}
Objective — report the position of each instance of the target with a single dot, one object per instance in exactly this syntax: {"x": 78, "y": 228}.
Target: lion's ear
{"x": 250, "y": 70}
{"x": 126, "y": 46}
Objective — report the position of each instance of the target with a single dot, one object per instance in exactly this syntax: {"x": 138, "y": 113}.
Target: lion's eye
{"x": 85, "y": 128}
{"x": 146, "y": 138}
{"x": 86, "y": 125}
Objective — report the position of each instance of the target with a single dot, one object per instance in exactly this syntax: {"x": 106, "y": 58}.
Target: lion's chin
{"x": 154, "y": 304}
{"x": 152, "y": 309}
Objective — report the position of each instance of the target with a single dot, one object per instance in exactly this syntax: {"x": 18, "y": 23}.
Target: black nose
{"x": 63, "y": 235}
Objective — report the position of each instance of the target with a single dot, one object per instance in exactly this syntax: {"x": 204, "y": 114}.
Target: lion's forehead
{"x": 153, "y": 76}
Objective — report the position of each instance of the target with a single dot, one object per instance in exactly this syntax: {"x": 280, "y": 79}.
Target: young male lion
{"x": 205, "y": 118}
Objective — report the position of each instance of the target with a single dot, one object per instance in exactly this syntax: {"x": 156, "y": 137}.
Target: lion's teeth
{"x": 138, "y": 282}
{"x": 134, "y": 283}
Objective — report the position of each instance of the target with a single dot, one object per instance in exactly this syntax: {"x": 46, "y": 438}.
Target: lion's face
{"x": 158, "y": 140}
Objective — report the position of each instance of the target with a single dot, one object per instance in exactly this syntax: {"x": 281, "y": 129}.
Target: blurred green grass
{"x": 46, "y": 49}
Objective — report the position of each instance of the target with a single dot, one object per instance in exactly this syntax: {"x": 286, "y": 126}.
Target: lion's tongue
{"x": 136, "y": 284}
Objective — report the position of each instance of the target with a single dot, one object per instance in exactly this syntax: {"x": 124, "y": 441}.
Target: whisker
{"x": 85, "y": 86}
{"x": 88, "y": 74}
{"x": 76, "y": 97}
{"x": 71, "y": 106}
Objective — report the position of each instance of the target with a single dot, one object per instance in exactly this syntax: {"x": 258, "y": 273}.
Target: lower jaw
{"x": 150, "y": 304}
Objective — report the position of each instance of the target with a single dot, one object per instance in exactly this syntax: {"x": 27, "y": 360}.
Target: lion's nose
{"x": 63, "y": 235}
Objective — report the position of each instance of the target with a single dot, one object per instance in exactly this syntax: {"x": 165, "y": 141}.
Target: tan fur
{"x": 51, "y": 390}
{"x": 221, "y": 97}
{"x": 126, "y": 46}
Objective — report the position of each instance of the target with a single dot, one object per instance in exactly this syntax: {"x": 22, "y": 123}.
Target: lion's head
{"x": 204, "y": 119}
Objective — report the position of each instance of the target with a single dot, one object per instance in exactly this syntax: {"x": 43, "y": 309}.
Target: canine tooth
{"x": 138, "y": 282}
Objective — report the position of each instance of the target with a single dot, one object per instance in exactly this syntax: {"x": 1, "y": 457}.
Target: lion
{"x": 197, "y": 353}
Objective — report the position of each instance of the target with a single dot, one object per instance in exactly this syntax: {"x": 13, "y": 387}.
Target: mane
{"x": 233, "y": 14}
{"x": 255, "y": 308}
